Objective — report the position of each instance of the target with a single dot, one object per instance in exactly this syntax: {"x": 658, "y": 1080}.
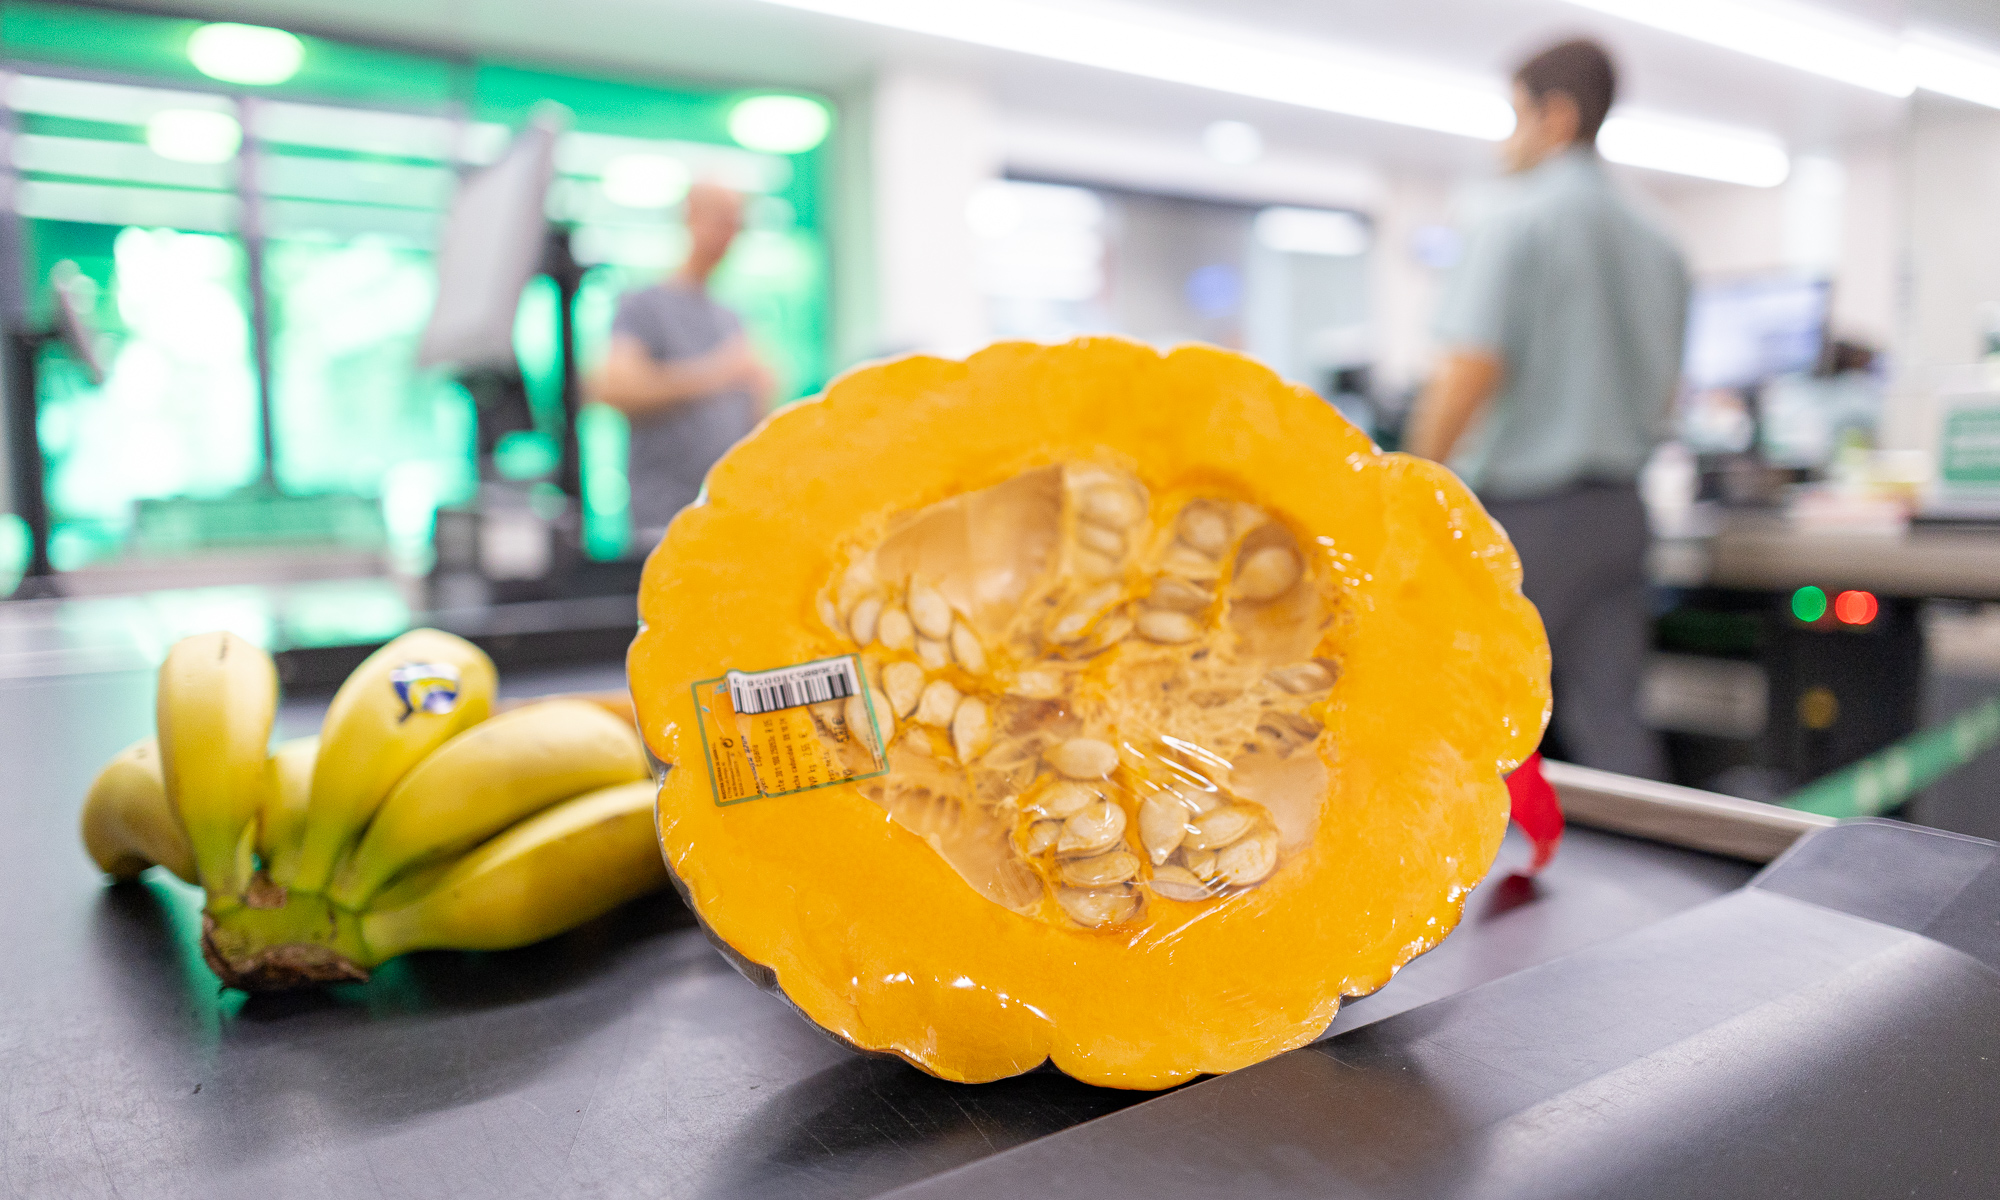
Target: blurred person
{"x": 682, "y": 370}
{"x": 1563, "y": 330}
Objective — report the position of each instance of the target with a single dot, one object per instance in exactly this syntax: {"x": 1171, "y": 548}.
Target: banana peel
{"x": 415, "y": 820}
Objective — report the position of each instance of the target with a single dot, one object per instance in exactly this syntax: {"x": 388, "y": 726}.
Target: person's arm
{"x": 631, "y": 381}
{"x": 1464, "y": 384}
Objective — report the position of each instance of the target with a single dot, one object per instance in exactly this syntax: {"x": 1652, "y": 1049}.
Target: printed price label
{"x": 777, "y": 732}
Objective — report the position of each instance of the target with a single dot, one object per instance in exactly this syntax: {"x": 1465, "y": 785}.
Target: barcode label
{"x": 754, "y": 692}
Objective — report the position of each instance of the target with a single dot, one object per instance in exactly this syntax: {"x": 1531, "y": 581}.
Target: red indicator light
{"x": 1855, "y": 608}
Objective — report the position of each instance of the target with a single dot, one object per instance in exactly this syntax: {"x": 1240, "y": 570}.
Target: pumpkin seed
{"x": 1110, "y": 631}
{"x": 929, "y": 611}
{"x": 1065, "y": 799}
{"x": 1212, "y": 831}
{"x": 904, "y": 681}
{"x": 1083, "y": 758}
{"x": 1112, "y": 506}
{"x": 1097, "y": 827}
{"x": 1163, "y": 824}
{"x": 937, "y": 704}
{"x": 1205, "y": 529}
{"x": 1108, "y": 542}
{"x": 1245, "y": 517}
{"x": 1037, "y": 685}
{"x": 1178, "y": 883}
{"x": 1200, "y": 863}
{"x": 861, "y": 622}
{"x": 1082, "y": 611}
{"x": 1094, "y": 566}
{"x": 1041, "y": 836}
{"x": 1098, "y": 906}
{"x": 966, "y": 649}
{"x": 1187, "y": 563}
{"x": 1199, "y": 801}
{"x": 1161, "y": 625}
{"x": 971, "y": 728}
{"x": 895, "y": 629}
{"x": 1248, "y": 861}
{"x": 1301, "y": 678}
{"x": 1100, "y": 870}
{"x": 1179, "y": 594}
{"x": 1265, "y": 574}
{"x": 857, "y": 717}
{"x": 932, "y": 654}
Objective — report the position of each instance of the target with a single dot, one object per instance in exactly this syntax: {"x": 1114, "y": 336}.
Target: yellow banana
{"x": 555, "y": 870}
{"x": 217, "y": 696}
{"x": 484, "y": 780}
{"x": 128, "y": 824}
{"x": 400, "y": 704}
{"x": 281, "y": 822}
{"x": 435, "y": 826}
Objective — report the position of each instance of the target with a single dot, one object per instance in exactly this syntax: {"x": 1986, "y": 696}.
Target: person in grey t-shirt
{"x": 1562, "y": 329}
{"x": 681, "y": 369}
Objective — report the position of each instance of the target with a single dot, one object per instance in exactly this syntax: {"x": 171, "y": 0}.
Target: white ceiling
{"x": 751, "y": 42}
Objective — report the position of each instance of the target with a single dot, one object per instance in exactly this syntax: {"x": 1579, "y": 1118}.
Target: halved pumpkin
{"x": 1178, "y": 711}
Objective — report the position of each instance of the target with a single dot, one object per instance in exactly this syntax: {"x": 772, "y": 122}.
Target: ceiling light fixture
{"x": 1219, "y": 58}
{"x": 247, "y": 54}
{"x": 1779, "y": 31}
{"x": 1330, "y": 79}
{"x": 1685, "y": 148}
{"x": 1952, "y": 69}
{"x": 1825, "y": 43}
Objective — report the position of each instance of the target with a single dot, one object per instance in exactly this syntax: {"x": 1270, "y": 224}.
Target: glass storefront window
{"x": 139, "y": 179}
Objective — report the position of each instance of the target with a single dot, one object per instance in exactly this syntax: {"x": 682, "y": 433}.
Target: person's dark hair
{"x": 1581, "y": 70}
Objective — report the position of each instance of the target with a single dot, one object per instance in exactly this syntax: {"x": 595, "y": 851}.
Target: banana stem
{"x": 303, "y": 940}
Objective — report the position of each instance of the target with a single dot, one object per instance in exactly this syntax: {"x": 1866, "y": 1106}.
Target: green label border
{"x": 701, "y": 723}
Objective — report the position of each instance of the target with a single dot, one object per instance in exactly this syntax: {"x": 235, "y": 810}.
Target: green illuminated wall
{"x": 154, "y": 248}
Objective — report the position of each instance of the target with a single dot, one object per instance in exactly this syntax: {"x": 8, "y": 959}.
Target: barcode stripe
{"x": 790, "y": 687}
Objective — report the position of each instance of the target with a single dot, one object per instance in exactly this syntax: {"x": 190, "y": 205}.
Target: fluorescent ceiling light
{"x": 248, "y": 54}
{"x": 1780, "y": 31}
{"x": 1152, "y": 45}
{"x": 1953, "y": 70}
{"x": 1686, "y": 148}
{"x": 1147, "y": 43}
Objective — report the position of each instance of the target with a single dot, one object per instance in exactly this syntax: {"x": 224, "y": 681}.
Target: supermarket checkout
{"x": 681, "y": 369}
{"x": 1562, "y": 329}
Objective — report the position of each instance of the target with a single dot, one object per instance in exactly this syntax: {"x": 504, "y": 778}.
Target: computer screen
{"x": 1742, "y": 332}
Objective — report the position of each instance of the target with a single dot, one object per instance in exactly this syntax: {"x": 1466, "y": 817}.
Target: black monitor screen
{"x": 1742, "y": 332}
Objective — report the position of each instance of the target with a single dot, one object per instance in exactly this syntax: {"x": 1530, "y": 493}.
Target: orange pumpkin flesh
{"x": 1407, "y": 594}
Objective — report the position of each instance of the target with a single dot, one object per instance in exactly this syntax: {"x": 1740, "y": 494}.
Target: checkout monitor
{"x": 1743, "y": 332}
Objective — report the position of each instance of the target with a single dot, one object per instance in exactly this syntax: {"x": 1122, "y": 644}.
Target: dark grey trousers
{"x": 1583, "y": 563}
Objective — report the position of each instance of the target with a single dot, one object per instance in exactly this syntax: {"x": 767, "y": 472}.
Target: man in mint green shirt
{"x": 1563, "y": 330}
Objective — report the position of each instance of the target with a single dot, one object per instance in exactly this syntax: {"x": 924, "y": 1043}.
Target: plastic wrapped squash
{"x": 1080, "y": 704}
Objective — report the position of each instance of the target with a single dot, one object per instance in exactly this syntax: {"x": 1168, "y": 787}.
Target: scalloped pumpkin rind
{"x": 1442, "y": 688}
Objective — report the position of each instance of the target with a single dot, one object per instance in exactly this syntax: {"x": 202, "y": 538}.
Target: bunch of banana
{"x": 416, "y": 819}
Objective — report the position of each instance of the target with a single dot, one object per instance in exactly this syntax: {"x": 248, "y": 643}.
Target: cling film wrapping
{"x": 1072, "y": 753}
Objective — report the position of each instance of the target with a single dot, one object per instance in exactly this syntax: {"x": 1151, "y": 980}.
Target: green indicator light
{"x": 1808, "y": 604}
